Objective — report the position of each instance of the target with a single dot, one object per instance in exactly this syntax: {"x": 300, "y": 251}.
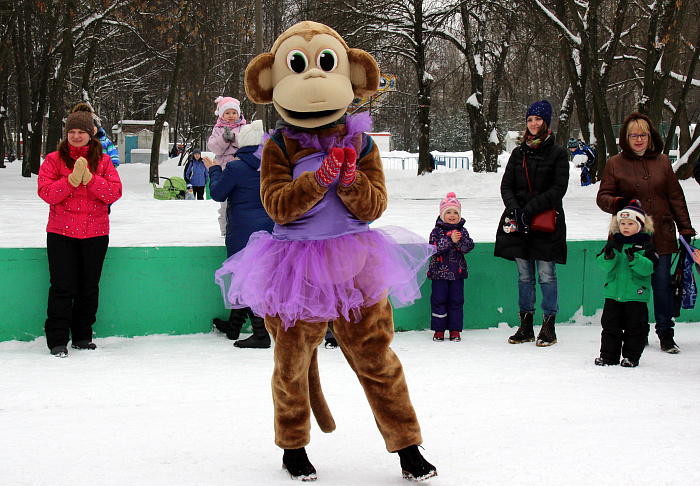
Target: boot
{"x": 83, "y": 345}
{"x": 232, "y": 327}
{"x": 298, "y": 465}
{"x": 525, "y": 333}
{"x": 547, "y": 336}
{"x": 668, "y": 344}
{"x": 260, "y": 337}
{"x": 414, "y": 466}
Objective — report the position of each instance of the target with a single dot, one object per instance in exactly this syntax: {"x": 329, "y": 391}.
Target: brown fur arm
{"x": 285, "y": 199}
{"x": 366, "y": 198}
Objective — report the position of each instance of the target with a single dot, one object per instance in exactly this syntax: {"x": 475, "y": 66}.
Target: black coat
{"x": 548, "y": 167}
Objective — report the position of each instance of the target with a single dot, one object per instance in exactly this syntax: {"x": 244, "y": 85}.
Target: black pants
{"x": 625, "y": 329}
{"x": 198, "y": 192}
{"x": 447, "y": 305}
{"x": 75, "y": 267}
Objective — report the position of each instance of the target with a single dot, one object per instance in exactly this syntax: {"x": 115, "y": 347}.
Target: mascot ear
{"x": 258, "y": 79}
{"x": 364, "y": 73}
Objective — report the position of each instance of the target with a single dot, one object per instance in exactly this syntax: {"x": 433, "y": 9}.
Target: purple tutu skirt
{"x": 320, "y": 280}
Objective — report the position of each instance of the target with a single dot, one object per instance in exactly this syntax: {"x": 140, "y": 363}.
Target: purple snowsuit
{"x": 447, "y": 270}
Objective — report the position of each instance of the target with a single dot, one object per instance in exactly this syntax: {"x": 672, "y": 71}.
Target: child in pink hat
{"x": 224, "y": 136}
{"x": 224, "y": 139}
{"x": 448, "y": 270}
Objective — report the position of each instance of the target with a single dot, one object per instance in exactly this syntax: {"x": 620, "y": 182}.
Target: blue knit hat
{"x": 543, "y": 109}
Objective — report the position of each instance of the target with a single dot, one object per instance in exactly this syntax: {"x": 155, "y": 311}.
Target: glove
{"x": 688, "y": 235}
{"x": 79, "y": 168}
{"x": 621, "y": 202}
{"x": 523, "y": 220}
{"x": 330, "y": 167}
{"x": 631, "y": 251}
{"x": 87, "y": 176}
{"x": 229, "y": 135}
{"x": 348, "y": 171}
{"x": 609, "y": 251}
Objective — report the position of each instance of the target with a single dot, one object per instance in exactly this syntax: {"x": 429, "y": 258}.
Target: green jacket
{"x": 629, "y": 281}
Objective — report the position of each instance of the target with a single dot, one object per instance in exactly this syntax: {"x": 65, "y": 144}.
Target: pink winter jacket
{"x": 223, "y": 149}
{"x": 78, "y": 212}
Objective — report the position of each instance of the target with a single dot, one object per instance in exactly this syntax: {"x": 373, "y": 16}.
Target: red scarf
{"x": 77, "y": 152}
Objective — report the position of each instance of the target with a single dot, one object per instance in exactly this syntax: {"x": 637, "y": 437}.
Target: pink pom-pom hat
{"x": 224, "y": 103}
{"x": 450, "y": 202}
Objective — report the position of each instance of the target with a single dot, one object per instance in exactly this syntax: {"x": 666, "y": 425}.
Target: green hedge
{"x": 171, "y": 290}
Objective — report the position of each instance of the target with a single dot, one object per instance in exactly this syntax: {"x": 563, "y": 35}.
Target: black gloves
{"x": 229, "y": 135}
{"x": 522, "y": 219}
{"x": 609, "y": 251}
{"x": 631, "y": 251}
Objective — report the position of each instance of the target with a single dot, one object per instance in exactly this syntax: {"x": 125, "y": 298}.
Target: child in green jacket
{"x": 630, "y": 258}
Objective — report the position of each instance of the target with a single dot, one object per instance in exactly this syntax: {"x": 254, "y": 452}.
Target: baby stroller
{"x": 173, "y": 188}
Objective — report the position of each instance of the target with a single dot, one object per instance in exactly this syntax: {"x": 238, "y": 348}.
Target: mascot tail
{"x": 319, "y": 406}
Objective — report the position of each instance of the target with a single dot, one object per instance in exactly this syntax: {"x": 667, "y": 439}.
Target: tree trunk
{"x": 164, "y": 111}
{"x": 54, "y": 132}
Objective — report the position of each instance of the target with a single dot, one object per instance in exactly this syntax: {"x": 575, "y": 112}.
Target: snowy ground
{"x": 139, "y": 220}
{"x": 194, "y": 410}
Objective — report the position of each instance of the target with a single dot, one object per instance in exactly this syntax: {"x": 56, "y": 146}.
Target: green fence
{"x": 171, "y": 290}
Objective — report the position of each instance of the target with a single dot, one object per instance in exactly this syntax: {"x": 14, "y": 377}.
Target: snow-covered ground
{"x": 138, "y": 219}
{"x": 194, "y": 410}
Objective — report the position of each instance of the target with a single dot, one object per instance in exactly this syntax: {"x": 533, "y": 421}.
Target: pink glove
{"x": 347, "y": 174}
{"x": 330, "y": 167}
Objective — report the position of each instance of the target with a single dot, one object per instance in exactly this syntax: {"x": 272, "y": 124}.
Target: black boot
{"x": 547, "y": 335}
{"x": 414, "y": 466}
{"x": 232, "y": 327}
{"x": 668, "y": 344}
{"x": 83, "y": 345}
{"x": 525, "y": 333}
{"x": 260, "y": 337}
{"x": 297, "y": 465}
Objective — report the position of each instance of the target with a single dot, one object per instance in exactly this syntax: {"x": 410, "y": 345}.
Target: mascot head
{"x": 311, "y": 76}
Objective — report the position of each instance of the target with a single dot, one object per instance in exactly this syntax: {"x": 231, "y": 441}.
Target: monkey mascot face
{"x": 311, "y": 76}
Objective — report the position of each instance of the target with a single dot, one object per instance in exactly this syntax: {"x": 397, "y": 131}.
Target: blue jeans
{"x": 548, "y": 284}
{"x": 663, "y": 296}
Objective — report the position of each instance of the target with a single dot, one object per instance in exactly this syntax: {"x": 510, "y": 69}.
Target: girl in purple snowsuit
{"x": 448, "y": 269}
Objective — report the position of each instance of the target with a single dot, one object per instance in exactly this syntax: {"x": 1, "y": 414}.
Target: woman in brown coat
{"x": 641, "y": 171}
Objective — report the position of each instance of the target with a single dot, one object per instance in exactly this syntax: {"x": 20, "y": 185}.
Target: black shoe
{"x": 331, "y": 343}
{"x": 603, "y": 362}
{"x": 83, "y": 345}
{"x": 59, "y": 351}
{"x": 414, "y": 466}
{"x": 525, "y": 333}
{"x": 297, "y": 465}
{"x": 254, "y": 342}
{"x": 668, "y": 344}
{"x": 547, "y": 335}
{"x": 629, "y": 363}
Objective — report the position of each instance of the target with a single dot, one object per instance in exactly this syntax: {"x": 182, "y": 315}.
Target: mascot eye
{"x": 327, "y": 60}
{"x": 297, "y": 62}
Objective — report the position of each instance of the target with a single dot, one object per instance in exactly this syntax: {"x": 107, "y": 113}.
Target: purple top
{"x": 327, "y": 219}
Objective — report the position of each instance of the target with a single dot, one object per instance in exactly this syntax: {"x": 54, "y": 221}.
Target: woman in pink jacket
{"x": 79, "y": 182}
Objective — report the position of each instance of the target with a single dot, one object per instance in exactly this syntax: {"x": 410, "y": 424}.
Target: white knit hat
{"x": 635, "y": 213}
{"x": 251, "y": 134}
{"x": 224, "y": 103}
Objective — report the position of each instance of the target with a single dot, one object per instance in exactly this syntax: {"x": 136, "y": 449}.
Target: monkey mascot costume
{"x": 322, "y": 183}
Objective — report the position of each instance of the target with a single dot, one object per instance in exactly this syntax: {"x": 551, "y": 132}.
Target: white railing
{"x": 410, "y": 162}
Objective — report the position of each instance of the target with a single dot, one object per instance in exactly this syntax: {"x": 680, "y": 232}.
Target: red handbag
{"x": 546, "y": 220}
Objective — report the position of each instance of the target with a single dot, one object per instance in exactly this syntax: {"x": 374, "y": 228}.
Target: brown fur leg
{"x": 365, "y": 345}
{"x": 294, "y": 351}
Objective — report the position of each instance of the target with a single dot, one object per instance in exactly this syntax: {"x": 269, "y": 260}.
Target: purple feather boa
{"x": 355, "y": 123}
